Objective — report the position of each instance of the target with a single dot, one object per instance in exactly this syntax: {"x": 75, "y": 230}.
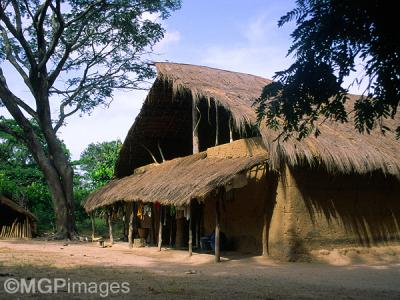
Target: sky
{"x": 235, "y": 35}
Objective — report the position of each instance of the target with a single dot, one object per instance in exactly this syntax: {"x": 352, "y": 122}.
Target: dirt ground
{"x": 171, "y": 274}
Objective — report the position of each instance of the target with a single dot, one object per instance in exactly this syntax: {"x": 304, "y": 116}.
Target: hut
{"x": 15, "y": 221}
{"x": 270, "y": 196}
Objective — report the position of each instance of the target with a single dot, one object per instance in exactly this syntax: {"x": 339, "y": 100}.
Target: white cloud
{"x": 256, "y": 30}
{"x": 247, "y": 59}
{"x": 258, "y": 49}
{"x": 171, "y": 37}
{"x": 104, "y": 124}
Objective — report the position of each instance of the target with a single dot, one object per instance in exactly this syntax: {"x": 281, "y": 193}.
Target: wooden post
{"x": 217, "y": 232}
{"x": 160, "y": 229}
{"x": 110, "y": 230}
{"x": 171, "y": 225}
{"x": 197, "y": 233}
{"x": 230, "y": 130}
{"x": 264, "y": 236}
{"x": 216, "y": 124}
{"x": 195, "y": 127}
{"x": 190, "y": 232}
{"x": 93, "y": 225}
{"x": 130, "y": 229}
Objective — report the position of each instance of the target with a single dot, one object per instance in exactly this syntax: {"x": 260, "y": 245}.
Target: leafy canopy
{"x": 78, "y": 51}
{"x": 331, "y": 37}
{"x": 97, "y": 162}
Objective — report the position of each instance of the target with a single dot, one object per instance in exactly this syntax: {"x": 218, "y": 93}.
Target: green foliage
{"x": 22, "y": 180}
{"x": 71, "y": 55}
{"x": 97, "y": 46}
{"x": 97, "y": 163}
{"x": 329, "y": 39}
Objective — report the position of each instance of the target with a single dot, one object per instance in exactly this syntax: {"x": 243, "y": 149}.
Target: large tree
{"x": 71, "y": 55}
{"x": 331, "y": 38}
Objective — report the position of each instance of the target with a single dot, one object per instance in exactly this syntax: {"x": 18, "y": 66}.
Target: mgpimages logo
{"x": 66, "y": 285}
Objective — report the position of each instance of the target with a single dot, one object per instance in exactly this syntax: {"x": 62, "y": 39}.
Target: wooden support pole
{"x": 190, "y": 232}
{"x": 110, "y": 229}
{"x": 197, "y": 233}
{"x": 195, "y": 127}
{"x": 264, "y": 235}
{"x": 171, "y": 226}
{"x": 160, "y": 225}
{"x": 216, "y": 125}
{"x": 130, "y": 229}
{"x": 217, "y": 232}
{"x": 93, "y": 225}
{"x": 230, "y": 130}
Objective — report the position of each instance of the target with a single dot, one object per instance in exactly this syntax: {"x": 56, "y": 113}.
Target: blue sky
{"x": 235, "y": 35}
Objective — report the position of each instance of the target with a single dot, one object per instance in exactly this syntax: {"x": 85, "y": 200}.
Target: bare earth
{"x": 171, "y": 274}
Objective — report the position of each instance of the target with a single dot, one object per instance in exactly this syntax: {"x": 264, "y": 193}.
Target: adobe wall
{"x": 241, "y": 213}
{"x": 315, "y": 210}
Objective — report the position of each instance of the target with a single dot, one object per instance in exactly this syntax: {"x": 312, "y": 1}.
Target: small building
{"x": 195, "y": 147}
{"x": 15, "y": 221}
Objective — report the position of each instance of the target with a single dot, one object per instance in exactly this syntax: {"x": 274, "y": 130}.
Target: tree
{"x": 71, "y": 55}
{"x": 21, "y": 178}
{"x": 97, "y": 162}
{"x": 330, "y": 38}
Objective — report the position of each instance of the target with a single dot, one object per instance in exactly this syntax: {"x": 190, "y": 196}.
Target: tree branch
{"x": 57, "y": 35}
{"x": 10, "y": 57}
{"x": 19, "y": 36}
{"x": 8, "y": 130}
{"x": 19, "y": 102}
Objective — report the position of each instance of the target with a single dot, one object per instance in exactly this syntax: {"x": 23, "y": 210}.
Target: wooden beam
{"x": 216, "y": 125}
{"x": 130, "y": 229}
{"x": 190, "y": 231}
{"x": 195, "y": 127}
{"x": 265, "y": 235}
{"x": 217, "y": 231}
{"x": 93, "y": 225}
{"x": 160, "y": 228}
{"x": 197, "y": 230}
{"x": 110, "y": 229}
{"x": 230, "y": 130}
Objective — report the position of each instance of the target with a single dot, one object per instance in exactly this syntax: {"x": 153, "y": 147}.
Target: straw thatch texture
{"x": 14, "y": 206}
{"x": 166, "y": 116}
{"x": 174, "y": 182}
{"x": 232, "y": 90}
{"x": 340, "y": 148}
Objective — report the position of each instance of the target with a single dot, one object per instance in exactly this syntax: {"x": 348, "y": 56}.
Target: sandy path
{"x": 163, "y": 275}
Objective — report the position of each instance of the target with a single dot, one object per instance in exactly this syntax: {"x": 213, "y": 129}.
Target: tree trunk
{"x": 65, "y": 226}
{"x": 48, "y": 153}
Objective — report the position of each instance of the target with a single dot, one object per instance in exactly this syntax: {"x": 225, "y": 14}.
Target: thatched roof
{"x": 166, "y": 115}
{"x": 16, "y": 207}
{"x": 340, "y": 148}
{"x": 178, "y": 181}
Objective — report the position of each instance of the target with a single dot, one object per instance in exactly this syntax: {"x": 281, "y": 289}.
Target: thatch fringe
{"x": 231, "y": 90}
{"x": 175, "y": 182}
{"x": 339, "y": 148}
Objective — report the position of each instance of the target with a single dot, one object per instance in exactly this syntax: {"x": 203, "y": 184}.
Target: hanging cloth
{"x": 187, "y": 212}
{"x": 140, "y": 212}
{"x": 172, "y": 210}
{"x": 147, "y": 211}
